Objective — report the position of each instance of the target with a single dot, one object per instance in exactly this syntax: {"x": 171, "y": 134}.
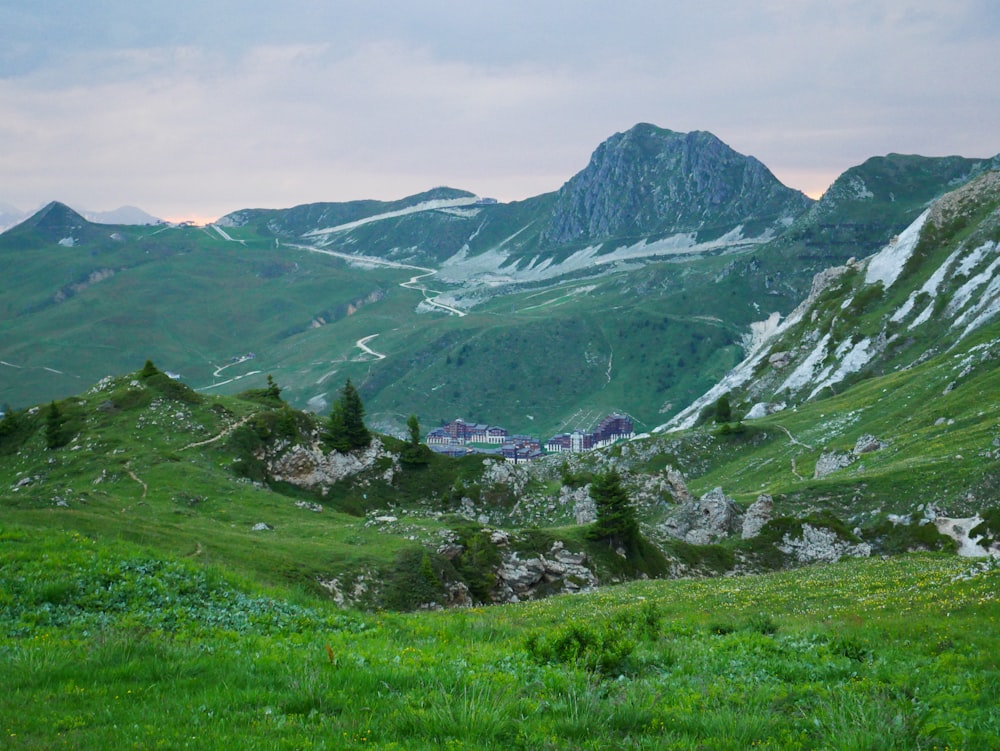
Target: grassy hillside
{"x": 114, "y": 646}
{"x": 942, "y": 444}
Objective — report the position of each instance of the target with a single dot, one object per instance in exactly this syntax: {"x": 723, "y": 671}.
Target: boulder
{"x": 763, "y": 409}
{"x": 584, "y": 510}
{"x": 712, "y": 517}
{"x": 760, "y": 513}
{"x": 868, "y": 443}
{"x": 831, "y": 461}
{"x": 779, "y": 359}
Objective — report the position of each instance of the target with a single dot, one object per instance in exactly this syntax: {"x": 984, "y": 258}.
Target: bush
{"x": 413, "y": 580}
{"x": 714, "y": 557}
{"x": 603, "y": 649}
{"x": 15, "y": 430}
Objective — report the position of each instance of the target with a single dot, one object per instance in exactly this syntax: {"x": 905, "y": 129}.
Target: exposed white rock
{"x": 711, "y": 518}
{"x": 760, "y": 513}
{"x": 831, "y": 461}
{"x": 311, "y": 467}
{"x": 958, "y": 530}
{"x": 818, "y": 544}
{"x": 762, "y": 409}
{"x": 886, "y": 265}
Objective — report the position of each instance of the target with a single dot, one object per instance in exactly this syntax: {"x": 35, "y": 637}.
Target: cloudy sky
{"x": 194, "y": 108}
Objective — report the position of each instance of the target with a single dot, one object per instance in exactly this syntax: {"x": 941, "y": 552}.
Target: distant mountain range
{"x": 633, "y": 288}
{"x": 124, "y": 215}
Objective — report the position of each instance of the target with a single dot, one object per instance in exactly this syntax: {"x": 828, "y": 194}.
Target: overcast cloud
{"x": 195, "y": 109}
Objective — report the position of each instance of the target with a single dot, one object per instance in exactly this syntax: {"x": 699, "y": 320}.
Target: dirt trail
{"x": 135, "y": 477}
{"x": 363, "y": 345}
{"x": 220, "y": 436}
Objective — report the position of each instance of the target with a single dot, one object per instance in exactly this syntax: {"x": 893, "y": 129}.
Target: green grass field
{"x": 111, "y": 646}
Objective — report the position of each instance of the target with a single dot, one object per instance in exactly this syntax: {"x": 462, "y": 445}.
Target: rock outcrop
{"x": 711, "y": 518}
{"x": 311, "y": 468}
{"x": 561, "y": 571}
{"x": 760, "y": 513}
{"x": 818, "y": 544}
{"x": 830, "y": 461}
{"x": 649, "y": 181}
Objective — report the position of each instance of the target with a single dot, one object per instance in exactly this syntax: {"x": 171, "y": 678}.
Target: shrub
{"x": 715, "y": 557}
{"x": 603, "y": 649}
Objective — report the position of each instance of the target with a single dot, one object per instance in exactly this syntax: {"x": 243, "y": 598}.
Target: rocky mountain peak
{"x": 651, "y": 181}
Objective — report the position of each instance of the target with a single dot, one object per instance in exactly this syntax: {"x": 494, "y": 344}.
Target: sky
{"x": 191, "y": 109}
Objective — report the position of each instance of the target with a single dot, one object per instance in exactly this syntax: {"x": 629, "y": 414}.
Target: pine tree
{"x": 616, "y": 520}
{"x": 723, "y": 410}
{"x": 54, "y": 436}
{"x": 346, "y": 429}
{"x": 414, "y": 452}
{"x": 273, "y": 390}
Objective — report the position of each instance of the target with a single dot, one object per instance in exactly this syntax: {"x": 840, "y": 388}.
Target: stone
{"x": 519, "y": 580}
{"x": 584, "y": 510}
{"x": 763, "y": 409}
{"x": 712, "y": 517}
{"x": 451, "y": 550}
{"x": 309, "y": 467}
{"x": 779, "y": 359}
{"x": 831, "y": 461}
{"x": 868, "y": 443}
{"x": 821, "y": 545}
{"x": 760, "y": 513}
{"x": 499, "y": 538}
{"x": 261, "y": 527}
{"x": 309, "y": 506}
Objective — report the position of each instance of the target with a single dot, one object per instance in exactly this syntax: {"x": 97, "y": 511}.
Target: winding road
{"x": 363, "y": 345}
{"x": 430, "y": 296}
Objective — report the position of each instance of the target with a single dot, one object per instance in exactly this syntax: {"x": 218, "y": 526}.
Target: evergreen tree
{"x": 273, "y": 391}
{"x": 148, "y": 370}
{"x": 414, "y": 452}
{"x": 616, "y": 520}
{"x": 346, "y": 429}
{"x": 54, "y": 435}
{"x": 723, "y": 410}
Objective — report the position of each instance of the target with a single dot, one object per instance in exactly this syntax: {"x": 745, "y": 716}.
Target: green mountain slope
{"x": 632, "y": 289}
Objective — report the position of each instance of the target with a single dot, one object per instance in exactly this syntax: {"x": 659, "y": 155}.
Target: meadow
{"x": 110, "y": 645}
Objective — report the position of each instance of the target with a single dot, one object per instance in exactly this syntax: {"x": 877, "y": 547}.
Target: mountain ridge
{"x": 527, "y": 334}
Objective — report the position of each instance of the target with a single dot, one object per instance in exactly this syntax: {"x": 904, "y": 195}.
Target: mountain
{"x": 54, "y": 223}
{"x": 9, "y": 216}
{"x": 645, "y": 185}
{"x": 121, "y": 216}
{"x": 930, "y": 291}
{"x": 650, "y": 182}
{"x": 541, "y": 315}
{"x": 870, "y": 203}
{"x": 865, "y": 424}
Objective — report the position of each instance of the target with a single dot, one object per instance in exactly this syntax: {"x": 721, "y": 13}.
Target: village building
{"x": 459, "y": 433}
{"x": 517, "y": 449}
{"x": 614, "y": 427}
